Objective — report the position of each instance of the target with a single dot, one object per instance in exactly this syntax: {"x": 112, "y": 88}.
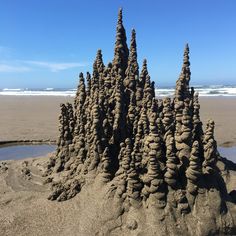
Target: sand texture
{"x": 25, "y": 210}
{"x": 37, "y": 117}
{"x": 29, "y": 117}
{"x": 223, "y": 111}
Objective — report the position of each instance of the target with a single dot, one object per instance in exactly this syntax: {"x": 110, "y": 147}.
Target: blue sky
{"x": 46, "y": 43}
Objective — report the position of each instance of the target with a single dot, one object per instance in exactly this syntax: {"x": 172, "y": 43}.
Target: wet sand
{"x": 29, "y": 117}
{"x": 223, "y": 111}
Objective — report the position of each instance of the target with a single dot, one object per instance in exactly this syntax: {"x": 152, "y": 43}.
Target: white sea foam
{"x": 212, "y": 90}
{"x": 32, "y": 92}
{"x": 7, "y": 89}
{"x": 49, "y": 89}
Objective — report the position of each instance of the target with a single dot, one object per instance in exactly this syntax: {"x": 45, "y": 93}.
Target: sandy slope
{"x": 25, "y": 210}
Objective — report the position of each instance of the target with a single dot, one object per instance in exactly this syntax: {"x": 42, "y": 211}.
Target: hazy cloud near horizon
{"x": 25, "y": 66}
{"x": 56, "y": 66}
{"x": 12, "y": 68}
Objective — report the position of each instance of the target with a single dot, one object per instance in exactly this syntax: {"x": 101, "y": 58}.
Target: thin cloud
{"x": 56, "y": 66}
{"x": 13, "y": 68}
{"x": 4, "y": 49}
{"x": 5, "y": 52}
{"x": 24, "y": 66}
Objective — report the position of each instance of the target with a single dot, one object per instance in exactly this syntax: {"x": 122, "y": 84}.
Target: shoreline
{"x": 9, "y": 143}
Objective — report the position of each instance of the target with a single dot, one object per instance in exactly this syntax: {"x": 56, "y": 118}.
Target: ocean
{"x": 212, "y": 90}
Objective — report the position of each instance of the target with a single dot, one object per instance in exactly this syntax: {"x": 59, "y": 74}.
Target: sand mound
{"x": 25, "y": 210}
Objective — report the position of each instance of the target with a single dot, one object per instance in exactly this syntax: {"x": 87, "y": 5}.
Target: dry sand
{"x": 37, "y": 117}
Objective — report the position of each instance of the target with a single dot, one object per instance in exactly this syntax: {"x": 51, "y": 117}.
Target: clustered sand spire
{"x": 121, "y": 51}
{"x": 119, "y": 131}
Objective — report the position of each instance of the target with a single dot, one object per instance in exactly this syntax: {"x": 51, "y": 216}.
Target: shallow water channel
{"x": 15, "y": 152}
{"x": 228, "y": 152}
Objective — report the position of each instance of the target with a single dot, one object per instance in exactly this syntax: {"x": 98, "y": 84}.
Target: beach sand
{"x": 36, "y": 117}
{"x": 223, "y": 111}
{"x": 30, "y": 117}
{"x": 24, "y": 208}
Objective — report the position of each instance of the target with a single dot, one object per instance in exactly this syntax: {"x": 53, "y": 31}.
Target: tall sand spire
{"x": 121, "y": 52}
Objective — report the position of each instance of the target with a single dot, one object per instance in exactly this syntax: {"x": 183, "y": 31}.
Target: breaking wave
{"x": 212, "y": 90}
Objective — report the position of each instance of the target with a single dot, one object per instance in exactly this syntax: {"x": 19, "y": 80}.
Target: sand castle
{"x": 149, "y": 154}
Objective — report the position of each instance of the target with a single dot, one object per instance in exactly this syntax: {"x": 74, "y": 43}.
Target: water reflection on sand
{"x": 24, "y": 151}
